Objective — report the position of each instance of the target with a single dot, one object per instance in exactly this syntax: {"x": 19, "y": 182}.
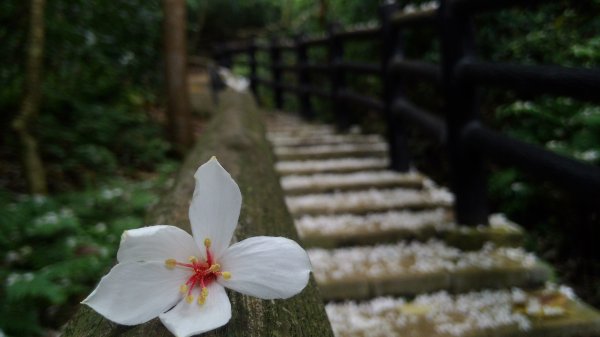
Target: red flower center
{"x": 203, "y": 274}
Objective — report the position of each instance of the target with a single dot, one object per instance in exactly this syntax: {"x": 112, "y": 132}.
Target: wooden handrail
{"x": 236, "y": 137}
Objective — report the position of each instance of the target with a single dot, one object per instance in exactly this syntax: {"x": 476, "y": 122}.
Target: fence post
{"x": 275, "y": 53}
{"x": 392, "y": 46}
{"x": 219, "y": 54}
{"x": 223, "y": 55}
{"x": 252, "y": 63}
{"x": 467, "y": 166}
{"x": 303, "y": 79}
{"x": 338, "y": 77}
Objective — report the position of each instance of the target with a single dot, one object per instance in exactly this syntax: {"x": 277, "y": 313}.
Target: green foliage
{"x": 101, "y": 139}
{"x": 101, "y": 75}
{"x": 215, "y": 21}
{"x": 563, "y": 125}
{"x": 562, "y": 32}
{"x": 54, "y": 249}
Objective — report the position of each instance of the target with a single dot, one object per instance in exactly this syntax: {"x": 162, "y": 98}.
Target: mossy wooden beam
{"x": 236, "y": 137}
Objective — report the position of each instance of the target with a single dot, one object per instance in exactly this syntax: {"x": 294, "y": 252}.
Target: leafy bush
{"x": 54, "y": 249}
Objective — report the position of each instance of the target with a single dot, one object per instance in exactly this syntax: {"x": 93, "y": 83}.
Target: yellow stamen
{"x": 193, "y": 259}
{"x": 207, "y": 243}
{"x": 214, "y": 268}
{"x": 226, "y": 275}
{"x": 189, "y": 298}
{"x": 183, "y": 288}
{"x": 203, "y": 296}
{"x": 170, "y": 263}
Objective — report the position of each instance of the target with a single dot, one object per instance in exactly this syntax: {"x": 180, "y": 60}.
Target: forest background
{"x": 101, "y": 133}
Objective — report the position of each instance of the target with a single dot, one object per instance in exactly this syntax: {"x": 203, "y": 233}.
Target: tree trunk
{"x": 324, "y": 13}
{"x": 178, "y": 108}
{"x": 32, "y": 161}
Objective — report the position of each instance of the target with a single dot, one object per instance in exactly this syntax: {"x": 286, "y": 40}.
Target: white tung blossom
{"x": 333, "y": 165}
{"x": 347, "y": 224}
{"x": 404, "y": 258}
{"x": 339, "y": 181}
{"x": 371, "y": 200}
{"x": 437, "y": 314}
{"x": 163, "y": 271}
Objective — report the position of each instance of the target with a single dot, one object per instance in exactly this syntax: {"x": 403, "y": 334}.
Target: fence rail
{"x": 468, "y": 142}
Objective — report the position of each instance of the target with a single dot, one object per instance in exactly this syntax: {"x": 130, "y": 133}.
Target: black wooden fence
{"x": 460, "y": 74}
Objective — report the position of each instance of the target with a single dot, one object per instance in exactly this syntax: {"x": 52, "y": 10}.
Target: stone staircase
{"x": 389, "y": 259}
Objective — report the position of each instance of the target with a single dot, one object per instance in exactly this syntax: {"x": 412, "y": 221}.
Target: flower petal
{"x": 188, "y": 319}
{"x": 215, "y": 206}
{"x": 156, "y": 243}
{"x": 135, "y": 292}
{"x": 266, "y": 267}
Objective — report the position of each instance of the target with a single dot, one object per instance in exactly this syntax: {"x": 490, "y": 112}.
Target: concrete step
{"x": 340, "y": 165}
{"x": 319, "y": 183}
{"x": 368, "y": 201}
{"x": 304, "y": 130}
{"x": 326, "y": 139}
{"x": 331, "y": 231}
{"x": 548, "y": 312}
{"x": 377, "y": 150}
{"x": 406, "y": 243}
{"x": 414, "y": 268}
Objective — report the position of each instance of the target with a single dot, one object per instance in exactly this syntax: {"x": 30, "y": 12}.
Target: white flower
{"x": 163, "y": 271}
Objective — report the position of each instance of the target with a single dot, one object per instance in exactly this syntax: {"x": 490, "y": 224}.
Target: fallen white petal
{"x": 156, "y": 243}
{"x": 266, "y": 267}
{"x": 135, "y": 292}
{"x": 215, "y": 207}
{"x": 187, "y": 319}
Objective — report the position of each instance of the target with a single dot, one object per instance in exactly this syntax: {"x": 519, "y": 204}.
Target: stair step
{"x": 340, "y": 165}
{"x": 549, "y": 312}
{"x": 377, "y": 150}
{"x": 331, "y": 231}
{"x": 416, "y": 248}
{"x": 413, "y": 268}
{"x": 327, "y": 139}
{"x": 373, "y": 200}
{"x": 316, "y": 183}
{"x": 281, "y": 117}
{"x": 306, "y": 130}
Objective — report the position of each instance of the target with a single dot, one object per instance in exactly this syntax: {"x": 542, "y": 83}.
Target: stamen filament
{"x": 207, "y": 244}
